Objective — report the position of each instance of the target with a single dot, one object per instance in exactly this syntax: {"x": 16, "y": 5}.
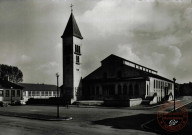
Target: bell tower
{"x": 72, "y": 47}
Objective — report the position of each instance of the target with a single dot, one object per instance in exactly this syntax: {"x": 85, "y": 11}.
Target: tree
{"x": 12, "y": 73}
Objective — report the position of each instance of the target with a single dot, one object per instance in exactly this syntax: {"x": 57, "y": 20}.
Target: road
{"x": 92, "y": 121}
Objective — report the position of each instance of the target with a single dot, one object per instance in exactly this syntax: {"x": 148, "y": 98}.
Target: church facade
{"x": 120, "y": 79}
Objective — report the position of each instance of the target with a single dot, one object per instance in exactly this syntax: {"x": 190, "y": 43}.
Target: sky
{"x": 153, "y": 33}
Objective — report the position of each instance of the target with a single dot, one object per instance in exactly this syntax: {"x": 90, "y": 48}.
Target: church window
{"x": 77, "y": 49}
{"x": 77, "y": 59}
{"x": 147, "y": 89}
{"x": 130, "y": 90}
{"x": 136, "y": 90}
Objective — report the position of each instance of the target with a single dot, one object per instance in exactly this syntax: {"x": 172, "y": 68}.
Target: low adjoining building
{"x": 39, "y": 91}
{"x": 121, "y": 79}
{"x": 10, "y": 91}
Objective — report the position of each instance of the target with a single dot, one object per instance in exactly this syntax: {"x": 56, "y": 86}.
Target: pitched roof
{"x": 4, "y": 84}
{"x": 113, "y": 59}
{"x": 72, "y": 28}
{"x": 38, "y": 87}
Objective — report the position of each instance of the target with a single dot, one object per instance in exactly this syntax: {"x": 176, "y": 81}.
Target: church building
{"x": 121, "y": 79}
{"x": 116, "y": 79}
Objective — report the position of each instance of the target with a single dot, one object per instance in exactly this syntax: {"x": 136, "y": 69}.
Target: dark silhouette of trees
{"x": 11, "y": 73}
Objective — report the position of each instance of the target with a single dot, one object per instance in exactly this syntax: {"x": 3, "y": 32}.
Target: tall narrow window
{"x": 77, "y": 59}
{"x": 76, "y": 48}
{"x": 13, "y": 93}
{"x": 125, "y": 90}
{"x": 154, "y": 83}
{"x": 7, "y": 93}
{"x": 18, "y": 93}
{"x": 1, "y": 93}
{"x": 136, "y": 90}
{"x": 130, "y": 90}
{"x": 79, "y": 50}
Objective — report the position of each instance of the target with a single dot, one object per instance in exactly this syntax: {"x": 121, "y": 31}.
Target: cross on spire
{"x": 71, "y": 8}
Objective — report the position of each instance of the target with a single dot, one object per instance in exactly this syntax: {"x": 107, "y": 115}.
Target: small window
{"x": 18, "y": 93}
{"x": 42, "y": 93}
{"x": 50, "y": 93}
{"x": 29, "y": 94}
{"x": 46, "y": 93}
{"x": 1, "y": 93}
{"x": 7, "y": 93}
{"x": 79, "y": 49}
{"x": 24, "y": 93}
{"x": 33, "y": 93}
{"x": 37, "y": 93}
{"x": 13, "y": 93}
{"x": 75, "y": 48}
{"x": 77, "y": 59}
{"x": 55, "y": 93}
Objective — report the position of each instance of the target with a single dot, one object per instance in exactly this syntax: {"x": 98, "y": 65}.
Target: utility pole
{"x": 57, "y": 75}
{"x": 11, "y": 95}
{"x": 174, "y": 92}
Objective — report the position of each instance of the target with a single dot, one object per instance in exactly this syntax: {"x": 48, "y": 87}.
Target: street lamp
{"x": 11, "y": 95}
{"x": 161, "y": 92}
{"x": 57, "y": 75}
{"x": 174, "y": 91}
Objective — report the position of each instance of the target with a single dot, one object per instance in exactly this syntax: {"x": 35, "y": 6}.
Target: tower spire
{"x": 71, "y": 7}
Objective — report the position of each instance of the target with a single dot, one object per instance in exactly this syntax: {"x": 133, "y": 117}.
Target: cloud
{"x": 126, "y": 52}
{"x": 154, "y": 33}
